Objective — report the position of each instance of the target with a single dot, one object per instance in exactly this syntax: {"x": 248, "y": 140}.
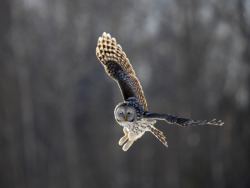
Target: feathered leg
{"x": 125, "y": 137}
{"x": 131, "y": 138}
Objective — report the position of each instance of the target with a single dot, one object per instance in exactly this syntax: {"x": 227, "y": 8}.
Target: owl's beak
{"x": 125, "y": 118}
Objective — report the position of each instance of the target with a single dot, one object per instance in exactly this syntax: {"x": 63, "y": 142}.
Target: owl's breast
{"x": 139, "y": 126}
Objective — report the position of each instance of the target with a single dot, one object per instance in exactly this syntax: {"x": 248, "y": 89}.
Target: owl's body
{"x": 139, "y": 127}
{"x": 133, "y": 113}
{"x": 135, "y": 125}
{"x": 134, "y": 130}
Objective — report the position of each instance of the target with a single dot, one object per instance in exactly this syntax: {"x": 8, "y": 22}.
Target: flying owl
{"x": 133, "y": 114}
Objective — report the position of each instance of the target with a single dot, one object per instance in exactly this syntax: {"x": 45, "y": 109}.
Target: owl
{"x": 133, "y": 114}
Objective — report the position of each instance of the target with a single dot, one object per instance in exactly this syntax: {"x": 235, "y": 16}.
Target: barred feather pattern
{"x": 158, "y": 134}
{"x": 173, "y": 119}
{"x": 108, "y": 50}
{"x": 170, "y": 118}
{"x": 188, "y": 122}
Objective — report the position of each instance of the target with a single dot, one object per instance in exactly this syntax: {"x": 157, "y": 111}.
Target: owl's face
{"x": 125, "y": 113}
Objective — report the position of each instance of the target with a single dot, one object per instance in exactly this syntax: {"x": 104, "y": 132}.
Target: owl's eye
{"x": 129, "y": 113}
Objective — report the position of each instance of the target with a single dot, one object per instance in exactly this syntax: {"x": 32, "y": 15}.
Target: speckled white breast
{"x": 139, "y": 126}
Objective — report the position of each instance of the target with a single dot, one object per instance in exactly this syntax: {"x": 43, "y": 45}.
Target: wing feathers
{"x": 173, "y": 119}
{"x": 108, "y": 51}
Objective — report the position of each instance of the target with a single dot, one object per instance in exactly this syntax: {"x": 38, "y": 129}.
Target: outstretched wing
{"x": 173, "y": 119}
{"x": 117, "y": 66}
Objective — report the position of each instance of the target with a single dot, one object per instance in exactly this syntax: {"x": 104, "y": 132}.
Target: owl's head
{"x": 124, "y": 112}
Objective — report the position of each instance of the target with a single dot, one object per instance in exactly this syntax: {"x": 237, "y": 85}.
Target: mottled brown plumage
{"x": 108, "y": 50}
{"x": 132, "y": 114}
{"x": 159, "y": 135}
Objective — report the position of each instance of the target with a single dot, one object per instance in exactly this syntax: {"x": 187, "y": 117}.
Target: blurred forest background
{"x": 57, "y": 128}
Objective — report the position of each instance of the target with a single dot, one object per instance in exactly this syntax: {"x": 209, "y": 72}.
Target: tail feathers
{"x": 158, "y": 134}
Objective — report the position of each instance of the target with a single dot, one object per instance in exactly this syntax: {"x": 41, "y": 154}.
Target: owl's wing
{"x": 173, "y": 119}
{"x": 117, "y": 66}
